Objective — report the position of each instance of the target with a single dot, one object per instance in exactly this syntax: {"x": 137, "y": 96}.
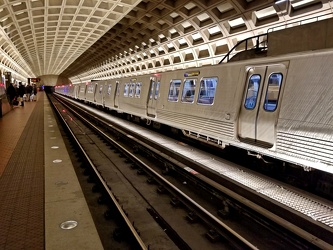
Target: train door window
{"x": 95, "y": 89}
{"x": 109, "y": 89}
{"x": 100, "y": 89}
{"x": 174, "y": 90}
{"x": 207, "y": 90}
{"x": 252, "y": 91}
{"x": 152, "y": 84}
{"x": 138, "y": 89}
{"x": 90, "y": 89}
{"x": 118, "y": 88}
{"x": 188, "y": 90}
{"x": 273, "y": 91}
{"x": 126, "y": 89}
{"x": 157, "y": 89}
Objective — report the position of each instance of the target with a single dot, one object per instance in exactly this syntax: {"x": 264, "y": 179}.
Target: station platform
{"x": 41, "y": 202}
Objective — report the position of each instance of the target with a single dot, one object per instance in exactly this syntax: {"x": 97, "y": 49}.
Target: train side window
{"x": 109, "y": 89}
{"x": 138, "y": 89}
{"x": 100, "y": 89}
{"x": 188, "y": 90}
{"x": 157, "y": 89}
{"x": 273, "y": 91}
{"x": 126, "y": 89}
{"x": 174, "y": 90}
{"x": 252, "y": 92}
{"x": 207, "y": 90}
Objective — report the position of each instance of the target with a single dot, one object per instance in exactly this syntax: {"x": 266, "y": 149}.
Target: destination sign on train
{"x": 193, "y": 73}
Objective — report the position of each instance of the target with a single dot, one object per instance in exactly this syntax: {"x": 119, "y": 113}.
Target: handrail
{"x": 301, "y": 22}
{"x": 268, "y": 31}
{"x": 246, "y": 46}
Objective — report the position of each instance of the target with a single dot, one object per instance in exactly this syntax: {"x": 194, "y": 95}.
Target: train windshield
{"x": 252, "y": 92}
{"x": 207, "y": 90}
{"x": 189, "y": 90}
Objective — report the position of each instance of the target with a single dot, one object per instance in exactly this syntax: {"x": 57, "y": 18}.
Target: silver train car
{"x": 277, "y": 107}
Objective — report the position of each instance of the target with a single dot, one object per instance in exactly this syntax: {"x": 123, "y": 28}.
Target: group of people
{"x": 14, "y": 93}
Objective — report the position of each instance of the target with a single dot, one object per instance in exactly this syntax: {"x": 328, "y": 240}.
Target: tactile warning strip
{"x": 315, "y": 210}
{"x": 22, "y": 188}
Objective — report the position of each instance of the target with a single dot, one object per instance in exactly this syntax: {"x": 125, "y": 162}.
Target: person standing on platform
{"x": 28, "y": 91}
{"x": 21, "y": 92}
{"x": 11, "y": 93}
{"x": 34, "y": 93}
{"x": 16, "y": 89}
{"x": 35, "y": 89}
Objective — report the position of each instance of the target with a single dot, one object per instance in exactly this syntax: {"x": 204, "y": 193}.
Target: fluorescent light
{"x": 280, "y": 1}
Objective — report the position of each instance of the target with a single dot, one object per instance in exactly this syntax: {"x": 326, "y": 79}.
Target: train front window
{"x": 252, "y": 92}
{"x": 174, "y": 90}
{"x": 188, "y": 90}
{"x": 207, "y": 90}
{"x": 273, "y": 91}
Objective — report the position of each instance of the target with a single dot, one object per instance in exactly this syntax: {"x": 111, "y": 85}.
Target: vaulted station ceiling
{"x": 98, "y": 39}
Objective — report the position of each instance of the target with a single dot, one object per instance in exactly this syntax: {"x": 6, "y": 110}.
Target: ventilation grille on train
{"x": 305, "y": 147}
{"x": 204, "y": 129}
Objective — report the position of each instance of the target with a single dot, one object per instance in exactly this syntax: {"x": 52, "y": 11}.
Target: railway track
{"x": 169, "y": 201}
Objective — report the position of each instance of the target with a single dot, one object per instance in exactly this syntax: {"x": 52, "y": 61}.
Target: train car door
{"x": 76, "y": 91}
{"x": 116, "y": 94}
{"x": 82, "y": 91}
{"x": 95, "y": 92}
{"x": 100, "y": 95}
{"x": 260, "y": 107}
{"x": 154, "y": 88}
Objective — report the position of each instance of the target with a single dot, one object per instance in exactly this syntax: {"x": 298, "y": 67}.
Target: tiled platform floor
{"x": 11, "y": 127}
{"x": 36, "y": 194}
{"x": 22, "y": 177}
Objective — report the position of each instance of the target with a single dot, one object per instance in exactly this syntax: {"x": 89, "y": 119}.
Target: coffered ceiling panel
{"x": 86, "y": 39}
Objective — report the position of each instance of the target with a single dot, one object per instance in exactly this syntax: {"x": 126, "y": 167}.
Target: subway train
{"x": 277, "y": 108}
